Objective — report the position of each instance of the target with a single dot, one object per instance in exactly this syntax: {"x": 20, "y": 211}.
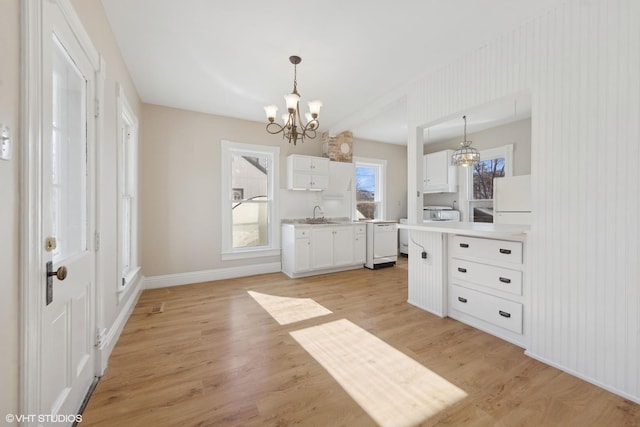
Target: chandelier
{"x": 466, "y": 155}
{"x": 293, "y": 129}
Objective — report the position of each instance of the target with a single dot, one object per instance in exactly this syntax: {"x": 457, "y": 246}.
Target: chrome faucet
{"x": 314, "y": 211}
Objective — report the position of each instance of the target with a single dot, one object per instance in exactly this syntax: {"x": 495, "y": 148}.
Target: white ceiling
{"x": 230, "y": 58}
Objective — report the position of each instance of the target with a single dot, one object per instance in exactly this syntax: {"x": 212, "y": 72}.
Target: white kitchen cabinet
{"x": 296, "y": 244}
{"x": 360, "y": 244}
{"x": 438, "y": 174}
{"x": 486, "y": 285}
{"x": 343, "y": 245}
{"x": 307, "y": 172}
{"x": 317, "y": 249}
{"x": 322, "y": 247}
{"x": 332, "y": 246}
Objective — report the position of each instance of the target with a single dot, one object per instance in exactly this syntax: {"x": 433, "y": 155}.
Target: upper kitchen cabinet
{"x": 307, "y": 172}
{"x": 439, "y": 175}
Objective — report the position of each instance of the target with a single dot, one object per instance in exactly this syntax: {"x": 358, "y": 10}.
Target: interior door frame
{"x": 31, "y": 279}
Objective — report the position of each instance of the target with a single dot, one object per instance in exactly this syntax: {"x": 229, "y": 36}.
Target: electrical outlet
{"x": 5, "y": 143}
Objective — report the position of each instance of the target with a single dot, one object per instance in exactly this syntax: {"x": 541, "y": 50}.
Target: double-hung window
{"x": 494, "y": 163}
{"x": 370, "y": 188}
{"x": 128, "y": 192}
{"x": 249, "y": 209}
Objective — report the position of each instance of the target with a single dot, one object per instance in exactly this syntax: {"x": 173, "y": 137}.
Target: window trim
{"x": 227, "y": 252}
{"x": 505, "y": 151}
{"x": 126, "y": 117}
{"x": 381, "y": 196}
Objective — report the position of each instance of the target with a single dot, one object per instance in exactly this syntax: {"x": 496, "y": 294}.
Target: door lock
{"x": 50, "y": 243}
{"x": 60, "y": 273}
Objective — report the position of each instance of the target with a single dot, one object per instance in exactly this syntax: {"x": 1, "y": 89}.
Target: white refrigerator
{"x": 512, "y": 200}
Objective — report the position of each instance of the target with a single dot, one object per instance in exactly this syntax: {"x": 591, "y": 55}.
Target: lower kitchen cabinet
{"x": 360, "y": 244}
{"x": 486, "y": 285}
{"x": 317, "y": 249}
{"x": 297, "y": 244}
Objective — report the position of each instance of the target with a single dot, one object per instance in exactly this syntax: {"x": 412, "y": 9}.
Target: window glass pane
{"x": 250, "y": 223}
{"x": 366, "y": 210}
{"x": 366, "y": 181}
{"x": 250, "y": 199}
{"x": 483, "y": 174}
{"x": 482, "y": 211}
{"x": 249, "y": 177}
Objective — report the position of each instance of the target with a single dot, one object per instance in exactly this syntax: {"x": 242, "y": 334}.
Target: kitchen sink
{"x": 322, "y": 220}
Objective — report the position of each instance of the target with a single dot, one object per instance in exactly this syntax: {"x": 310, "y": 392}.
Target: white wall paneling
{"x": 581, "y": 63}
{"x": 426, "y": 276}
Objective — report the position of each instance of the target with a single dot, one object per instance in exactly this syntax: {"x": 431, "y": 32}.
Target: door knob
{"x": 60, "y": 273}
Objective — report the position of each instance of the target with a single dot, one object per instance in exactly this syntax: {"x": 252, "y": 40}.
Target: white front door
{"x": 67, "y": 215}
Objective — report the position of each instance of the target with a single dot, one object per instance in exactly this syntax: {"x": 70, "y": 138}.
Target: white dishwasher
{"x": 382, "y": 244}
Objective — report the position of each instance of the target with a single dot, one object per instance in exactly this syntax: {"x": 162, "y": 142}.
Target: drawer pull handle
{"x": 504, "y": 314}
{"x": 505, "y": 280}
{"x": 464, "y": 245}
{"x": 462, "y": 270}
{"x": 505, "y": 251}
{"x": 464, "y": 300}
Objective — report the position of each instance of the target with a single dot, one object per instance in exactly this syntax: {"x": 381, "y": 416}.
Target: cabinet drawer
{"x": 488, "y": 249}
{"x": 499, "y": 278}
{"x": 498, "y": 311}
{"x": 359, "y": 229}
{"x": 302, "y": 233}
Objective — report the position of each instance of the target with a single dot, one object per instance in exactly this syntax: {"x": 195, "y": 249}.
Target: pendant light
{"x": 466, "y": 155}
{"x": 293, "y": 128}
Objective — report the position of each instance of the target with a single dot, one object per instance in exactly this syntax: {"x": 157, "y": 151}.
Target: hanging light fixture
{"x": 466, "y": 155}
{"x": 293, "y": 129}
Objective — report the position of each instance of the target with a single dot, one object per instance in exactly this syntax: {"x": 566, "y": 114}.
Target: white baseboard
{"x": 108, "y": 342}
{"x": 167, "y": 280}
{"x": 613, "y": 390}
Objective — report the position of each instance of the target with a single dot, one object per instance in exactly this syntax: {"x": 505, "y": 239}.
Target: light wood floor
{"x": 215, "y": 357}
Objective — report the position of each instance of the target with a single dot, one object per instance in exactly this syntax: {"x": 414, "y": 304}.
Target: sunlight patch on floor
{"x": 286, "y": 310}
{"x": 392, "y": 388}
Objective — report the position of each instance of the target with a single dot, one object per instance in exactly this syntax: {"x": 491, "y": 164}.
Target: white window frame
{"x": 381, "y": 185}
{"x": 127, "y": 164}
{"x": 228, "y": 252}
{"x": 506, "y": 152}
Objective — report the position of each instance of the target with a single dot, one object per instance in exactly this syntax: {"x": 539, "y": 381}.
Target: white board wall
{"x": 581, "y": 64}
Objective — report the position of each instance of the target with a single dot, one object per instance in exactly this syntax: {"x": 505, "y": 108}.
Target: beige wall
{"x": 180, "y": 185}
{"x": 9, "y": 204}
{"x": 516, "y": 133}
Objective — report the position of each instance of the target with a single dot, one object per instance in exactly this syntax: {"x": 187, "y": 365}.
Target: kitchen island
{"x": 472, "y": 272}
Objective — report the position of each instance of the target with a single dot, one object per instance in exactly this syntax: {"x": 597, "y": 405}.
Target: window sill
{"x": 257, "y": 253}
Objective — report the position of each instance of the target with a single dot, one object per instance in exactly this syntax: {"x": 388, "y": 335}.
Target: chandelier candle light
{"x": 466, "y": 155}
{"x": 293, "y": 129}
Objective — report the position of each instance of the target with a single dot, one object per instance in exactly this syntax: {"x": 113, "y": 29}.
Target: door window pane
{"x": 69, "y": 157}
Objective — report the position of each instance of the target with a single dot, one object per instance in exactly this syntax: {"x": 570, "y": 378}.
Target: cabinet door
{"x": 436, "y": 167}
{"x": 360, "y": 248}
{"x": 343, "y": 246}
{"x": 322, "y": 247}
{"x": 302, "y": 255}
{"x": 300, "y": 181}
{"x": 302, "y": 163}
{"x": 319, "y": 182}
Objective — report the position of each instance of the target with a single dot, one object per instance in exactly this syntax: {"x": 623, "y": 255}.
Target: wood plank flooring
{"x": 215, "y": 357}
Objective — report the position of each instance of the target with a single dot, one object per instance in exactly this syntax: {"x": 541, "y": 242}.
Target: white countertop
{"x": 478, "y": 229}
